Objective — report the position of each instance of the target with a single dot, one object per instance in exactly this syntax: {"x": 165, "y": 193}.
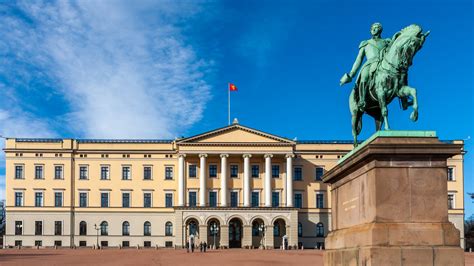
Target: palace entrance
{"x": 235, "y": 233}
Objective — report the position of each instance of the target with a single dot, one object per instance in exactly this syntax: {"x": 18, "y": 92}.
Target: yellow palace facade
{"x": 231, "y": 187}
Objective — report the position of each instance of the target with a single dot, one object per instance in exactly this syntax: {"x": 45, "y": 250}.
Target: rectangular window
{"x": 104, "y": 199}
{"x": 192, "y": 171}
{"x": 58, "y": 172}
{"x": 212, "y": 199}
{"x": 234, "y": 171}
{"x": 298, "y": 200}
{"x": 275, "y": 199}
{"x": 192, "y": 199}
{"x": 58, "y": 228}
{"x": 255, "y": 199}
{"x": 169, "y": 200}
{"x": 82, "y": 243}
{"x": 18, "y": 243}
{"x": 147, "y": 200}
{"x": 147, "y": 172}
{"x": 38, "y": 199}
{"x": 255, "y": 171}
{"x": 319, "y": 173}
{"x": 126, "y": 200}
{"x": 18, "y": 199}
{"x": 126, "y": 173}
{"x": 83, "y": 173}
{"x": 168, "y": 172}
{"x": 18, "y": 171}
{"x": 319, "y": 200}
{"x": 451, "y": 201}
{"x": 125, "y": 244}
{"x": 18, "y": 228}
{"x": 275, "y": 171}
{"x": 213, "y": 171}
{"x": 38, "y": 228}
{"x": 451, "y": 176}
{"x": 38, "y": 172}
{"x": 147, "y": 244}
{"x": 298, "y": 173}
{"x": 234, "y": 199}
{"x": 38, "y": 243}
{"x": 58, "y": 199}
{"x": 104, "y": 172}
{"x": 83, "y": 199}
{"x": 58, "y": 243}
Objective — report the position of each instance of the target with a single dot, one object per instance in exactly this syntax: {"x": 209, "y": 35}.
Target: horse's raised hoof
{"x": 414, "y": 116}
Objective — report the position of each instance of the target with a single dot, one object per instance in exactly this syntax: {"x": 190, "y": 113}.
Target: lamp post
{"x": 214, "y": 231}
{"x": 261, "y": 228}
{"x": 97, "y": 230}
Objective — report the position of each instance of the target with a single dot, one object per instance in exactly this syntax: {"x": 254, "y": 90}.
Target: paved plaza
{"x": 135, "y": 257}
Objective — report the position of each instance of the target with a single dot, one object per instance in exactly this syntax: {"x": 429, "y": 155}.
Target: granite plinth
{"x": 389, "y": 203}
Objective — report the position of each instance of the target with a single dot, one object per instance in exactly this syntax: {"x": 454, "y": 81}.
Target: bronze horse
{"x": 390, "y": 80}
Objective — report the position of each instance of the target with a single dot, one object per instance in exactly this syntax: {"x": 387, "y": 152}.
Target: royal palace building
{"x": 231, "y": 187}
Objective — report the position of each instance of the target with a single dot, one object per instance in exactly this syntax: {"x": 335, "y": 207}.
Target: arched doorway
{"x": 214, "y": 233}
{"x": 235, "y": 233}
{"x": 279, "y": 231}
{"x": 258, "y": 231}
{"x": 192, "y": 230}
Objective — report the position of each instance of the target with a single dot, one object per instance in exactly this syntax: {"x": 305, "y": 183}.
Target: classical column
{"x": 224, "y": 180}
{"x": 224, "y": 235}
{"x": 181, "y": 167}
{"x": 267, "y": 185}
{"x": 247, "y": 180}
{"x": 202, "y": 180}
{"x": 289, "y": 180}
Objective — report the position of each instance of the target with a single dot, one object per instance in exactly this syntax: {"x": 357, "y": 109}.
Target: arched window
{"x": 168, "y": 229}
{"x": 82, "y": 228}
{"x": 320, "y": 230}
{"x": 147, "y": 229}
{"x": 125, "y": 228}
{"x": 300, "y": 229}
{"x": 104, "y": 228}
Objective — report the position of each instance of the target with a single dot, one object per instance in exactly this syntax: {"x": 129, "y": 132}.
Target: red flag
{"x": 232, "y": 87}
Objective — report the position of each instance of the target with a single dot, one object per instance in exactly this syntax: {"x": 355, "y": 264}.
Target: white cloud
{"x": 15, "y": 123}
{"x": 123, "y": 68}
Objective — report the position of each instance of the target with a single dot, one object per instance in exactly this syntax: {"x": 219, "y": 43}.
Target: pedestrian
{"x": 191, "y": 243}
{"x": 187, "y": 247}
{"x": 205, "y": 246}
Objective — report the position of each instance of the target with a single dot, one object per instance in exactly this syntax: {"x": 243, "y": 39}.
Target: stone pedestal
{"x": 389, "y": 203}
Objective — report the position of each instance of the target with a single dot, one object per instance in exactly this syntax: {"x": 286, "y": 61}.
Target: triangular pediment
{"x": 235, "y": 134}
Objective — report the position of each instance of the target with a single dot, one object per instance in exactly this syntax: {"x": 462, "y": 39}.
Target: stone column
{"x": 224, "y": 235}
{"x": 247, "y": 180}
{"x": 202, "y": 180}
{"x": 289, "y": 180}
{"x": 269, "y": 236}
{"x": 224, "y": 181}
{"x": 267, "y": 185}
{"x": 202, "y": 233}
{"x": 181, "y": 189}
{"x": 246, "y": 236}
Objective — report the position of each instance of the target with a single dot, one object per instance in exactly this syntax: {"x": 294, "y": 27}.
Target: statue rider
{"x": 372, "y": 50}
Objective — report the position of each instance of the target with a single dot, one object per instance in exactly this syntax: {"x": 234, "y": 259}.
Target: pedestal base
{"x": 389, "y": 204}
{"x": 378, "y": 255}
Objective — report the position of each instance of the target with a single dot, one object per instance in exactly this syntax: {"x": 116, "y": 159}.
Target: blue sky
{"x": 159, "y": 69}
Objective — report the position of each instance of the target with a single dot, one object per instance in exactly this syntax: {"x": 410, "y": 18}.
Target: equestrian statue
{"x": 383, "y": 76}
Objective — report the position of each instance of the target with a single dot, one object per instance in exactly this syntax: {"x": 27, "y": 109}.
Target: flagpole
{"x": 228, "y": 101}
